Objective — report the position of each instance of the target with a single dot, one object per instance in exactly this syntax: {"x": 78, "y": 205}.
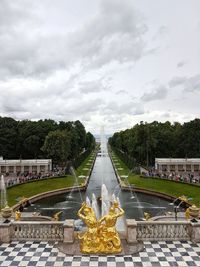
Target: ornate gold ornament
{"x": 187, "y": 214}
{"x": 17, "y": 215}
{"x": 101, "y": 235}
{"x": 147, "y": 216}
{"x": 56, "y": 216}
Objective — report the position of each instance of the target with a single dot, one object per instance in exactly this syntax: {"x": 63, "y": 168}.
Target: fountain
{"x": 105, "y": 200}
{"x": 88, "y": 201}
{"x": 72, "y": 171}
{"x": 101, "y": 235}
{"x": 3, "y": 193}
{"x": 134, "y": 196}
{"x": 134, "y": 204}
{"x": 95, "y": 206}
{"x": 6, "y": 211}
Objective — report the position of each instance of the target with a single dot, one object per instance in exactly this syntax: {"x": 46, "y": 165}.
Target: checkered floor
{"x": 155, "y": 254}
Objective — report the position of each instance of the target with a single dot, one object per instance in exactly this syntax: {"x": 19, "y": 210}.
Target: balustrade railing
{"x": 163, "y": 231}
{"x": 64, "y": 231}
{"x": 45, "y": 231}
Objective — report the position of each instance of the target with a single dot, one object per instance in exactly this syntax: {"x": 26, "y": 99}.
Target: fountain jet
{"x": 105, "y": 200}
{"x": 95, "y": 206}
{"x": 3, "y": 193}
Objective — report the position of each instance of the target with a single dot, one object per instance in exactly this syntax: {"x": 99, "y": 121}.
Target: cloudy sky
{"x": 103, "y": 62}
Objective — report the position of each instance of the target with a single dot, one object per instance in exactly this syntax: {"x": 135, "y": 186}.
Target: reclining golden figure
{"x": 101, "y": 235}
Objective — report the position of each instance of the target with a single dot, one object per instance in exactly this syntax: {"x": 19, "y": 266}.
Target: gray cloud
{"x": 156, "y": 94}
{"x": 121, "y": 92}
{"x": 93, "y": 86}
{"x": 181, "y": 64}
{"x": 128, "y": 108}
{"x": 189, "y": 84}
{"x": 193, "y": 84}
{"x": 176, "y": 81}
{"x": 72, "y": 60}
{"x": 18, "y": 23}
{"x": 10, "y": 108}
{"x": 29, "y": 50}
{"x": 162, "y": 31}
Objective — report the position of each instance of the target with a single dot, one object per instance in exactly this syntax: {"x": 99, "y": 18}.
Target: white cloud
{"x": 95, "y": 61}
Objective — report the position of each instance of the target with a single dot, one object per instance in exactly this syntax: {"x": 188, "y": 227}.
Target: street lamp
{"x": 176, "y": 209}
{"x": 183, "y": 199}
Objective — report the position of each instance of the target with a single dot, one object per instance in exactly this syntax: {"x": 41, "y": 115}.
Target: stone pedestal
{"x": 131, "y": 231}
{"x": 68, "y": 231}
{"x": 5, "y": 232}
{"x": 194, "y": 211}
{"x": 195, "y": 232}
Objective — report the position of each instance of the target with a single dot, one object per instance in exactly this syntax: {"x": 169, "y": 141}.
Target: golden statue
{"x": 89, "y": 240}
{"x": 187, "y": 214}
{"x": 56, "y": 216}
{"x": 109, "y": 236}
{"x": 183, "y": 198}
{"x": 17, "y": 215}
{"x": 147, "y": 216}
{"x": 101, "y": 236}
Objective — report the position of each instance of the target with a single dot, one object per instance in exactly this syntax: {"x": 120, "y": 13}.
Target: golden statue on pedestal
{"x": 147, "y": 216}
{"x": 56, "y": 216}
{"x": 187, "y": 214}
{"x": 89, "y": 239}
{"x": 17, "y": 215}
{"x": 101, "y": 236}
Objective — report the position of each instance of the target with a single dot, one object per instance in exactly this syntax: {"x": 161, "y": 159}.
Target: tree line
{"x": 144, "y": 142}
{"x": 60, "y": 141}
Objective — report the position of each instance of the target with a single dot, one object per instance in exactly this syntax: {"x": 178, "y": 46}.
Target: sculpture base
{"x": 74, "y": 249}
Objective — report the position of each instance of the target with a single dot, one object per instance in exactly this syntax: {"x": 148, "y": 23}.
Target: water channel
{"x": 134, "y": 204}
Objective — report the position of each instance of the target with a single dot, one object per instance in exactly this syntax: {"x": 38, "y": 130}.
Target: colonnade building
{"x": 34, "y": 166}
{"x": 177, "y": 165}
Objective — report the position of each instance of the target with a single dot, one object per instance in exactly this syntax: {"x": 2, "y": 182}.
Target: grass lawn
{"x": 172, "y": 188}
{"x": 34, "y": 188}
{"x": 120, "y": 164}
{"x": 41, "y": 186}
{"x": 87, "y": 164}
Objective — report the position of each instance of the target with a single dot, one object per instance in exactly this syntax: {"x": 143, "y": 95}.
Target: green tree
{"x": 90, "y": 141}
{"x": 8, "y": 136}
{"x": 57, "y": 146}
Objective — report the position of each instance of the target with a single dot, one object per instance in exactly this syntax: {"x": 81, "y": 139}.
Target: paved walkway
{"x": 155, "y": 254}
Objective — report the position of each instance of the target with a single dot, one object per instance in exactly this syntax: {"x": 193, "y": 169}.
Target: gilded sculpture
{"x": 17, "y": 215}
{"x": 56, "y": 216}
{"x": 187, "y": 214}
{"x": 147, "y": 216}
{"x": 101, "y": 235}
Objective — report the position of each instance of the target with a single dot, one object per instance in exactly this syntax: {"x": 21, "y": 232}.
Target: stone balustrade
{"x": 195, "y": 232}
{"x": 163, "y": 230}
{"x": 37, "y": 231}
{"x": 137, "y": 231}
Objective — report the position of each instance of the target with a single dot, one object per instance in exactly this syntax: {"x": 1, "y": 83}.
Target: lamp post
{"x": 176, "y": 210}
{"x": 176, "y": 207}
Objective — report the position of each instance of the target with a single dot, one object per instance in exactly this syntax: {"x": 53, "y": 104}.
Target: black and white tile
{"x": 155, "y": 254}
